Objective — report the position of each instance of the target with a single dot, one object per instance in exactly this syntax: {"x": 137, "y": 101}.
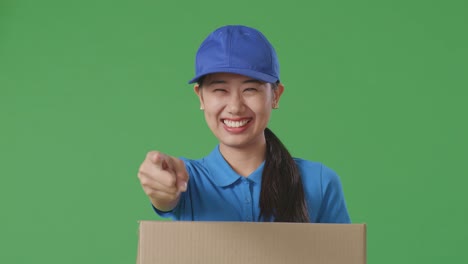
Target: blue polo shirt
{"x": 215, "y": 192}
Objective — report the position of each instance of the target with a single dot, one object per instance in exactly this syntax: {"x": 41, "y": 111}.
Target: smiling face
{"x": 237, "y": 108}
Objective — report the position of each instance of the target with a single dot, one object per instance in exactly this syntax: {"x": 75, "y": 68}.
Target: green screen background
{"x": 376, "y": 90}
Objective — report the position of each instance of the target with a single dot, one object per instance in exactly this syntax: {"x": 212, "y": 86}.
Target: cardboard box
{"x": 168, "y": 242}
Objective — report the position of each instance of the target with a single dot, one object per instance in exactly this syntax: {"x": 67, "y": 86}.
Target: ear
{"x": 277, "y": 95}
{"x": 197, "y": 89}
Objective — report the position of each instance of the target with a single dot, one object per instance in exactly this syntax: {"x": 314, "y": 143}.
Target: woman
{"x": 250, "y": 175}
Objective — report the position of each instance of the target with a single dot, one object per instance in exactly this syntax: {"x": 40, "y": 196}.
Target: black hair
{"x": 282, "y": 197}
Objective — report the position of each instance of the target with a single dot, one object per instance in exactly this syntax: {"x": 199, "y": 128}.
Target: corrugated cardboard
{"x": 168, "y": 242}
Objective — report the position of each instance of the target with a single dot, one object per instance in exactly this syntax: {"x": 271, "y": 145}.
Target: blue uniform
{"x": 215, "y": 192}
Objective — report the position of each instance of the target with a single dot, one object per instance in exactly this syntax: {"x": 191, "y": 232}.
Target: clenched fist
{"x": 163, "y": 178}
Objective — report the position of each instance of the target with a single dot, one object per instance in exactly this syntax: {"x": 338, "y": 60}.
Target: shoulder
{"x": 324, "y": 192}
{"x": 308, "y": 165}
{"x": 316, "y": 171}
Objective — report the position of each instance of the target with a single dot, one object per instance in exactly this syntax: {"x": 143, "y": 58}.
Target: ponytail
{"x": 282, "y": 194}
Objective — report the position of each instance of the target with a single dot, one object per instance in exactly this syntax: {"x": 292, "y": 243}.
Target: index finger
{"x": 156, "y": 158}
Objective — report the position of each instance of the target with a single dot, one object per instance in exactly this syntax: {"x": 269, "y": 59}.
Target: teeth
{"x": 231, "y": 123}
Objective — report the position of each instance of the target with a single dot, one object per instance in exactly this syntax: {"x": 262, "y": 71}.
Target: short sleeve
{"x": 333, "y": 208}
{"x": 174, "y": 214}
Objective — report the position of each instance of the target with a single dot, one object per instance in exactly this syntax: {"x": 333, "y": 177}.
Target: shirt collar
{"x": 221, "y": 172}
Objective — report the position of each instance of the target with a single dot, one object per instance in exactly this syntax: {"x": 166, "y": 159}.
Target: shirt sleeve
{"x": 174, "y": 214}
{"x": 333, "y": 208}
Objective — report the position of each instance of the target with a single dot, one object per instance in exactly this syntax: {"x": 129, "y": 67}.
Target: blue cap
{"x": 237, "y": 49}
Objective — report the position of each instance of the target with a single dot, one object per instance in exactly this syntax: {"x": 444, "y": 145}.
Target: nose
{"x": 235, "y": 104}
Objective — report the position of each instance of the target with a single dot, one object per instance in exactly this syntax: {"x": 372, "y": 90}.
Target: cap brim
{"x": 246, "y": 72}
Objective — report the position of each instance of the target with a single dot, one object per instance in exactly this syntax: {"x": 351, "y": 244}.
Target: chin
{"x": 234, "y": 143}
{"x": 238, "y": 143}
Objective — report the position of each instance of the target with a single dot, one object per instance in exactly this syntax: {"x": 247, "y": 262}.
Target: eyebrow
{"x": 223, "y": 82}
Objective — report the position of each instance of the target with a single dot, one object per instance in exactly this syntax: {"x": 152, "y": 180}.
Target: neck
{"x": 244, "y": 160}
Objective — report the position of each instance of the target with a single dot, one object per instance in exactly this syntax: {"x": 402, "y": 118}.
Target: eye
{"x": 251, "y": 89}
{"x": 219, "y": 90}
